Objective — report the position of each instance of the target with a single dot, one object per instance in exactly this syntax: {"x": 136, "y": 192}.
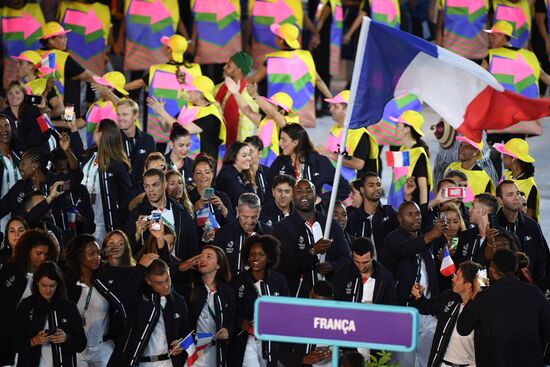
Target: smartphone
{"x": 454, "y": 243}
{"x": 443, "y": 215}
{"x": 69, "y": 112}
{"x": 482, "y": 278}
{"x": 65, "y": 187}
{"x": 455, "y": 192}
{"x": 493, "y": 220}
{"x": 208, "y": 193}
{"x": 156, "y": 216}
{"x": 32, "y": 99}
{"x": 49, "y": 332}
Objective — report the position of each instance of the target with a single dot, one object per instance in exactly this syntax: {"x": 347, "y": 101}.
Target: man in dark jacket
{"x": 408, "y": 256}
{"x": 306, "y": 256}
{"x": 511, "y": 319}
{"x": 137, "y": 144}
{"x": 530, "y": 236}
{"x": 275, "y": 210}
{"x": 365, "y": 280}
{"x": 231, "y": 237}
{"x": 449, "y": 347}
{"x": 158, "y": 317}
{"x": 372, "y": 220}
{"x": 172, "y": 214}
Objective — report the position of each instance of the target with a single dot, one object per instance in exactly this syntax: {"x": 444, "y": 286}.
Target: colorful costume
{"x": 335, "y": 32}
{"x": 218, "y": 29}
{"x": 293, "y": 72}
{"x": 90, "y": 25}
{"x": 147, "y": 21}
{"x": 400, "y": 175}
{"x": 519, "y": 15}
{"x": 163, "y": 84}
{"x": 263, "y": 13}
{"x": 384, "y": 130}
{"x": 354, "y": 137}
{"x": 518, "y": 71}
{"x": 21, "y": 30}
{"x": 387, "y": 12}
{"x": 463, "y": 25}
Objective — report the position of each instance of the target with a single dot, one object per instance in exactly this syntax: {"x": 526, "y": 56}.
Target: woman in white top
{"x": 101, "y": 310}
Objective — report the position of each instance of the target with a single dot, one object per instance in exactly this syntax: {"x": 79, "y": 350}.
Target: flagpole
{"x": 354, "y": 81}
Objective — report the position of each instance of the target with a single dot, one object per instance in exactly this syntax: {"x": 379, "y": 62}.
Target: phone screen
{"x": 69, "y": 112}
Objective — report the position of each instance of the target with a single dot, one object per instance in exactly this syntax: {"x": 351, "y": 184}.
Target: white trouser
{"x": 253, "y": 353}
{"x": 420, "y": 356}
{"x": 96, "y": 356}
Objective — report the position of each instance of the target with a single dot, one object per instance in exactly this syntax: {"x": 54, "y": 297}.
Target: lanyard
{"x": 92, "y": 163}
{"x": 88, "y": 298}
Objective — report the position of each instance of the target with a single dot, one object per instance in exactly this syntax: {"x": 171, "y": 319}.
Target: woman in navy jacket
{"x": 262, "y": 254}
{"x": 299, "y": 159}
{"x": 235, "y": 177}
{"x": 47, "y": 319}
{"x": 106, "y": 172}
{"x": 102, "y": 311}
{"x": 211, "y": 302}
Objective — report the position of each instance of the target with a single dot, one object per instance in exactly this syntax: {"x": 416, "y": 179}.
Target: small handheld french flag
{"x": 47, "y": 65}
{"x": 203, "y": 341}
{"x": 397, "y": 159}
{"x": 188, "y": 345}
{"x": 448, "y": 267}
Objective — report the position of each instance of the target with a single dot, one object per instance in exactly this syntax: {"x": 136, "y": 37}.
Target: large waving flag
{"x": 393, "y": 63}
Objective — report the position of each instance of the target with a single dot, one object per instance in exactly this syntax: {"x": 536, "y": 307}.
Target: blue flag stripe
{"x": 388, "y": 52}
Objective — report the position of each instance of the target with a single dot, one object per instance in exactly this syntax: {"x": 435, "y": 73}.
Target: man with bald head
{"x": 407, "y": 254}
{"x": 305, "y": 256}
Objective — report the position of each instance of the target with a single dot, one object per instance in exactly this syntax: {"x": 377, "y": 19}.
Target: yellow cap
{"x": 282, "y": 100}
{"x": 288, "y": 32}
{"x": 503, "y": 27}
{"x": 177, "y": 44}
{"x": 31, "y": 56}
{"x": 516, "y": 148}
{"x": 342, "y": 97}
{"x": 203, "y": 84}
{"x": 52, "y": 29}
{"x": 413, "y": 119}
{"x": 113, "y": 79}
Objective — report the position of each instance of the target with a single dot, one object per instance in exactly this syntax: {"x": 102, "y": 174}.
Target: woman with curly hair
{"x": 102, "y": 312}
{"x": 262, "y": 255}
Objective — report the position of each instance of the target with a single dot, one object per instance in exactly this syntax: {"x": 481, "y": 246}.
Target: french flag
{"x": 188, "y": 345}
{"x": 391, "y": 63}
{"x": 47, "y": 64}
{"x": 448, "y": 267}
{"x": 203, "y": 215}
{"x": 397, "y": 159}
{"x": 203, "y": 341}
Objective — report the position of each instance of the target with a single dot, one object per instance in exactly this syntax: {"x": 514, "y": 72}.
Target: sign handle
{"x": 335, "y": 356}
